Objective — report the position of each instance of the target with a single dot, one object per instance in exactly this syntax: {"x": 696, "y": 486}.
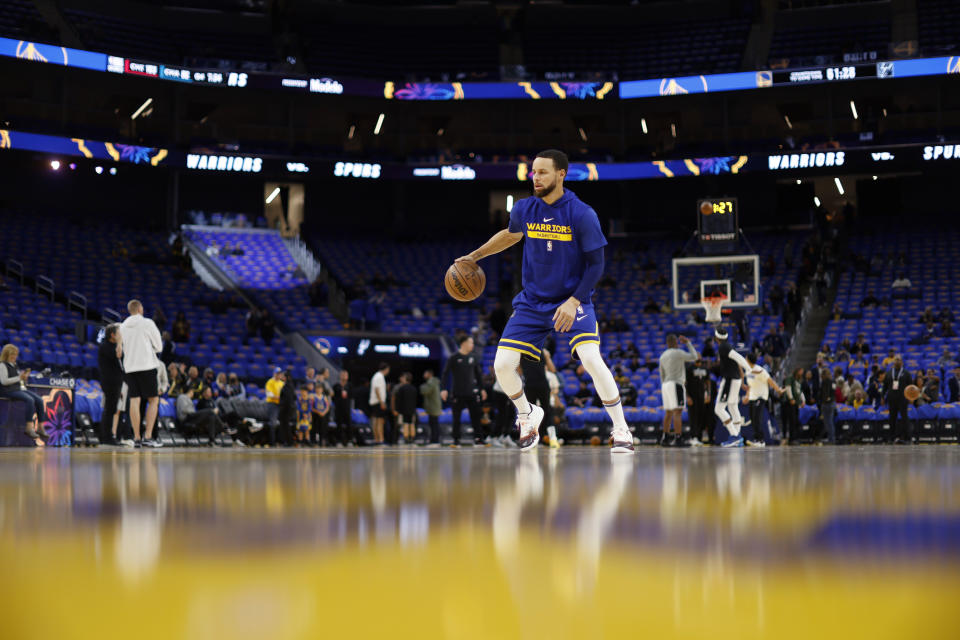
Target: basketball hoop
{"x": 713, "y": 305}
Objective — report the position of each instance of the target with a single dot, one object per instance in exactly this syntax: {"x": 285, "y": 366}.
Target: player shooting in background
{"x": 562, "y": 263}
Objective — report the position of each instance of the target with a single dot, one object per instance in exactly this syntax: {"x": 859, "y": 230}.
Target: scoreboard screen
{"x": 718, "y": 221}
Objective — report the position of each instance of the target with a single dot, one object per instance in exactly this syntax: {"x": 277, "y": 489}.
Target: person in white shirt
{"x": 140, "y": 344}
{"x": 759, "y": 384}
{"x": 378, "y": 402}
{"x": 673, "y": 381}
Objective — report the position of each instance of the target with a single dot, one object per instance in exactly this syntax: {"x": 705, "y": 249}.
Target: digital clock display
{"x": 825, "y": 74}
{"x": 717, "y": 220}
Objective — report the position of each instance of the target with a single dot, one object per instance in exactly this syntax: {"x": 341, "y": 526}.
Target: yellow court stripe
{"x": 526, "y": 344}
{"x": 526, "y": 353}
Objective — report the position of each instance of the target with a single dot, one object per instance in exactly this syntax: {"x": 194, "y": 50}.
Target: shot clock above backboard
{"x": 718, "y": 220}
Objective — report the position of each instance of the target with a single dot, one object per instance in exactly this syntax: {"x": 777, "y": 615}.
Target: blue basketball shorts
{"x": 532, "y": 322}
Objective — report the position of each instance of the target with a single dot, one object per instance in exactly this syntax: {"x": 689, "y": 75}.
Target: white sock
{"x": 552, "y": 432}
{"x": 615, "y": 411}
{"x": 733, "y": 428}
{"x": 522, "y": 405}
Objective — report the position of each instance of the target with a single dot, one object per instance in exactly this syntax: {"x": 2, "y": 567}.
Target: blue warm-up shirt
{"x": 557, "y": 237}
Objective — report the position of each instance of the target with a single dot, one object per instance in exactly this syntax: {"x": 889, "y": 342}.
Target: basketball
{"x": 465, "y": 281}
{"x": 595, "y": 441}
{"x": 706, "y": 208}
{"x": 911, "y": 392}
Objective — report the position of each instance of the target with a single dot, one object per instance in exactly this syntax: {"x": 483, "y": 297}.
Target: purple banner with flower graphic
{"x": 108, "y": 151}
{"x": 57, "y": 418}
{"x": 499, "y": 90}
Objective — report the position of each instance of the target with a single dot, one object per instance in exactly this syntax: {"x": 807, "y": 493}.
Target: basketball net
{"x": 713, "y": 305}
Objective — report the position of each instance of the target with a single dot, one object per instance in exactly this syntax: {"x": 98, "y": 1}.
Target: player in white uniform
{"x": 673, "y": 380}
{"x": 759, "y": 384}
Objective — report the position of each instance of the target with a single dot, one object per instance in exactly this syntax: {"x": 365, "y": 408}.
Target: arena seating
{"x": 830, "y": 40}
{"x": 935, "y": 284}
{"x": 110, "y": 265}
{"x": 938, "y": 24}
{"x": 21, "y": 20}
{"x": 266, "y": 267}
{"x": 404, "y": 51}
{"x": 44, "y": 331}
{"x": 638, "y": 51}
{"x": 144, "y": 40}
{"x": 418, "y": 271}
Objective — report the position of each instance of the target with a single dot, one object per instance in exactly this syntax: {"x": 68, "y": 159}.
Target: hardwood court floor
{"x": 812, "y": 542}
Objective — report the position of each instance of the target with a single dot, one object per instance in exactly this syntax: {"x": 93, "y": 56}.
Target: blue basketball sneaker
{"x": 732, "y": 441}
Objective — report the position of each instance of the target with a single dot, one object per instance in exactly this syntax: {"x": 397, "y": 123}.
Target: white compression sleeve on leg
{"x": 733, "y": 405}
{"x": 603, "y": 381}
{"x": 505, "y": 367}
{"x": 720, "y": 406}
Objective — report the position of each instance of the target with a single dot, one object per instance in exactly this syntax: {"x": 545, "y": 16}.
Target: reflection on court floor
{"x": 822, "y": 542}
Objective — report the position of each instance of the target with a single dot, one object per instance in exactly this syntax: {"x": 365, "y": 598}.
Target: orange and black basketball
{"x": 706, "y": 208}
{"x": 465, "y": 281}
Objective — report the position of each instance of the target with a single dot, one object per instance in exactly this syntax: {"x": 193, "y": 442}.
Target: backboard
{"x": 737, "y": 277}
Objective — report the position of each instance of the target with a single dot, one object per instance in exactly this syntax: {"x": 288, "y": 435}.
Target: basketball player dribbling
{"x": 562, "y": 263}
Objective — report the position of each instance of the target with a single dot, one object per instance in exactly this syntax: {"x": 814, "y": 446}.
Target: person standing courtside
{"x": 759, "y": 384}
{"x": 432, "y": 404}
{"x": 378, "y": 402}
{"x": 673, "y": 388}
{"x": 343, "y": 406}
{"x": 404, "y": 406}
{"x": 140, "y": 344}
{"x": 698, "y": 399}
{"x": 464, "y": 368}
{"x": 896, "y": 382}
{"x": 111, "y": 381}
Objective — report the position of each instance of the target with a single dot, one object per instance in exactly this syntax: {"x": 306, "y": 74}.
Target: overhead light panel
{"x": 509, "y": 203}
{"x": 839, "y": 184}
{"x": 353, "y": 130}
{"x": 643, "y": 124}
{"x": 853, "y": 110}
{"x": 55, "y": 165}
{"x": 273, "y": 195}
{"x": 583, "y": 135}
{"x": 376, "y": 129}
{"x": 816, "y": 201}
{"x": 136, "y": 114}
{"x": 786, "y": 119}
{"x": 673, "y": 130}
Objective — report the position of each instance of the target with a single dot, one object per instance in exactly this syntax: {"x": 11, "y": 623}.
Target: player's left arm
{"x": 591, "y": 242}
{"x": 564, "y": 316}
{"x": 773, "y": 385}
{"x": 740, "y": 360}
{"x": 691, "y": 355}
